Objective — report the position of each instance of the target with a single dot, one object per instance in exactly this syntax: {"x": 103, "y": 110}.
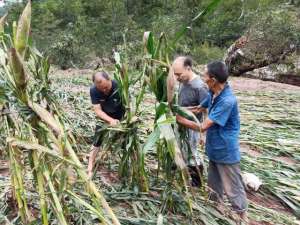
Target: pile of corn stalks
{"x": 271, "y": 126}
{"x": 37, "y": 139}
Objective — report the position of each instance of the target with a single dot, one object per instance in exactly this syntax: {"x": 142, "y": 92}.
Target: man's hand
{"x": 114, "y": 122}
{"x": 199, "y": 109}
{"x": 103, "y": 116}
{"x": 187, "y": 123}
{"x": 196, "y": 109}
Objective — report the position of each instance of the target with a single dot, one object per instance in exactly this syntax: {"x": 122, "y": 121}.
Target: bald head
{"x": 183, "y": 61}
{"x": 99, "y": 75}
{"x": 182, "y": 67}
{"x": 102, "y": 82}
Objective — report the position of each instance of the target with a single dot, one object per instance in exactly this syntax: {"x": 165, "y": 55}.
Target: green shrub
{"x": 205, "y": 53}
{"x": 66, "y": 52}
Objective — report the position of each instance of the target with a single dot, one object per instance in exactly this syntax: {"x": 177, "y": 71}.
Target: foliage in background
{"x": 269, "y": 40}
{"x": 96, "y": 27}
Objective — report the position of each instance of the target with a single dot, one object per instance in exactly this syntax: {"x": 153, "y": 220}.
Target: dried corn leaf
{"x": 23, "y": 30}
{"x": 2, "y": 23}
{"x": 170, "y": 86}
{"x": 17, "y": 68}
{"x": 46, "y": 117}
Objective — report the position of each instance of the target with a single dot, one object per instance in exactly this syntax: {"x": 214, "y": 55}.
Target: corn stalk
{"x": 162, "y": 84}
{"x": 38, "y": 128}
{"x": 132, "y": 162}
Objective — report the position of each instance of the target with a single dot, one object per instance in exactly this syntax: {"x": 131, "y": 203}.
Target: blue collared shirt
{"x": 222, "y": 139}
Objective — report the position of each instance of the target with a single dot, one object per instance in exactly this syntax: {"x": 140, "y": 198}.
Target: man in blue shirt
{"x": 222, "y": 139}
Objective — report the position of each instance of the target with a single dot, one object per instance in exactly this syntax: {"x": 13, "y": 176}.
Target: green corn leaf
{"x": 158, "y": 46}
{"x": 56, "y": 203}
{"x": 2, "y": 96}
{"x": 88, "y": 206}
{"x": 185, "y": 113}
{"x": 148, "y": 41}
{"x": 161, "y": 109}
{"x": 151, "y": 141}
{"x": 209, "y": 9}
{"x": 167, "y": 133}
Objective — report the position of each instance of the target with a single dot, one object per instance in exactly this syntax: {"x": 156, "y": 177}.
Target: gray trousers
{"x": 194, "y": 158}
{"x": 227, "y": 178}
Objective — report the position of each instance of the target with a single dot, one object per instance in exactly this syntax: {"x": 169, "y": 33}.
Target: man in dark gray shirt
{"x": 108, "y": 108}
{"x": 192, "y": 92}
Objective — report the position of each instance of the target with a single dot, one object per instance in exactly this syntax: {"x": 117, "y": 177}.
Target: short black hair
{"x": 187, "y": 61}
{"x": 102, "y": 74}
{"x": 218, "y": 70}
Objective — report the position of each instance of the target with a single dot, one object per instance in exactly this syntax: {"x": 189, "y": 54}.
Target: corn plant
{"x": 125, "y": 137}
{"x": 132, "y": 162}
{"x": 162, "y": 84}
{"x": 37, "y": 139}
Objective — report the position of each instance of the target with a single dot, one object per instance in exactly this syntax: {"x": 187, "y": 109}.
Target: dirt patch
{"x": 248, "y": 84}
{"x": 287, "y": 160}
{"x": 267, "y": 201}
{"x": 251, "y": 84}
{"x": 106, "y": 175}
{"x": 70, "y": 72}
{"x": 250, "y": 151}
{"x": 259, "y": 223}
{"x": 4, "y": 168}
{"x": 256, "y": 153}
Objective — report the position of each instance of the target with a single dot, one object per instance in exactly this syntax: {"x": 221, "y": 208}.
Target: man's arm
{"x": 194, "y": 126}
{"x": 206, "y": 124}
{"x": 102, "y": 115}
{"x": 187, "y": 123}
{"x": 204, "y": 99}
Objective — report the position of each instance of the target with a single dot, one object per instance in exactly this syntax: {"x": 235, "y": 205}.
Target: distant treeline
{"x": 74, "y": 31}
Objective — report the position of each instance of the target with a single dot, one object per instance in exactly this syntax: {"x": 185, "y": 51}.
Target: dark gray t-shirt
{"x": 192, "y": 94}
{"x": 111, "y": 104}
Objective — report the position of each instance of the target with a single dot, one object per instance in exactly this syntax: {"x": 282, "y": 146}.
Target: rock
{"x": 285, "y": 72}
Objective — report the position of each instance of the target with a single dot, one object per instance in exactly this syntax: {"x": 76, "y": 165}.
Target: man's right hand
{"x": 114, "y": 122}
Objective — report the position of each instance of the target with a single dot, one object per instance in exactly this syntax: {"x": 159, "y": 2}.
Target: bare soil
{"x": 248, "y": 84}
{"x": 4, "y": 168}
